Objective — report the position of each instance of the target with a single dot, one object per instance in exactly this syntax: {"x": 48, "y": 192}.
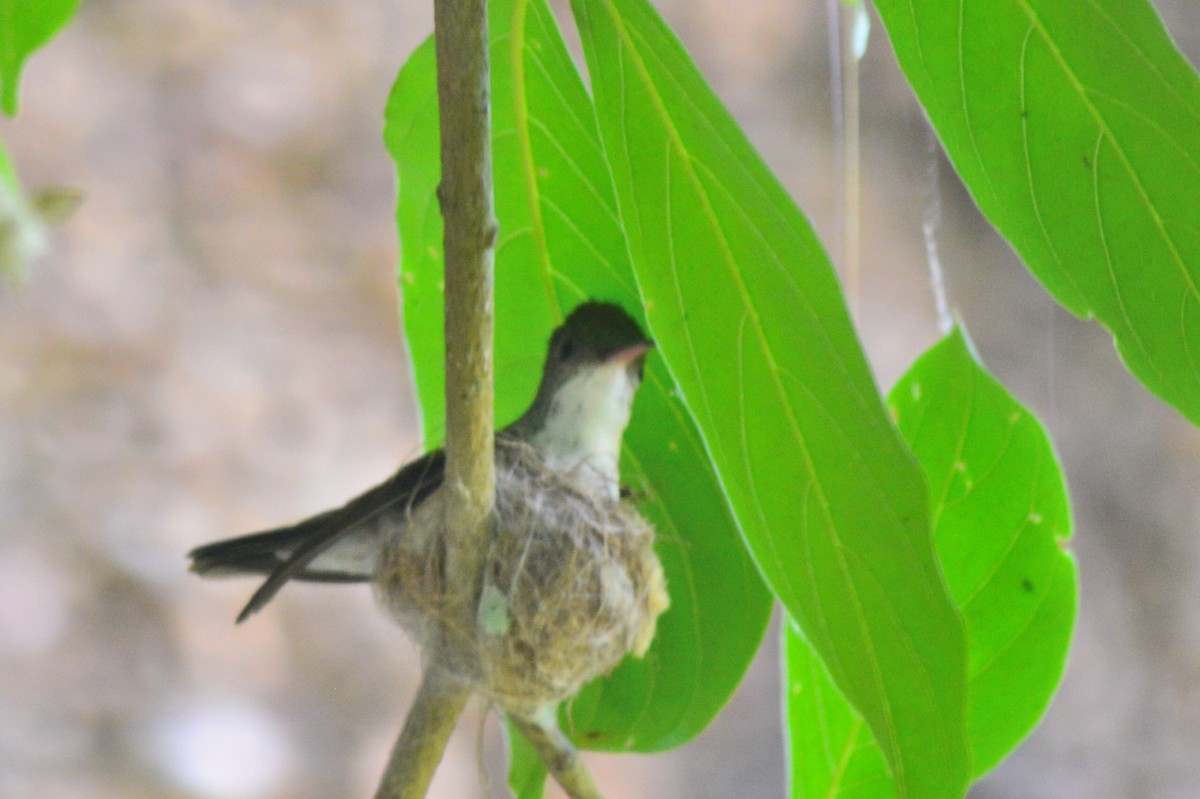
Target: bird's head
{"x": 593, "y": 367}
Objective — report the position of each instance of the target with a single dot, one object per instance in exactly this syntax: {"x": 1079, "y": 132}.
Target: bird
{"x": 594, "y": 364}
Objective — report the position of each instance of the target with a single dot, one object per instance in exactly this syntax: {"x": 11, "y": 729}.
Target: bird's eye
{"x": 566, "y": 350}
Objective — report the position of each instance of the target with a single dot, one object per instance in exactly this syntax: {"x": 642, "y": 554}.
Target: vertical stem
{"x": 465, "y": 194}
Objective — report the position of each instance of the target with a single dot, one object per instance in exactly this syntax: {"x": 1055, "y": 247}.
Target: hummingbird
{"x": 594, "y": 365}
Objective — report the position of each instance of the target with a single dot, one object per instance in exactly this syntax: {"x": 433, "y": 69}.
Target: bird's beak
{"x": 630, "y": 354}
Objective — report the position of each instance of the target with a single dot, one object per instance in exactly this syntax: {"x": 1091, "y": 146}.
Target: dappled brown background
{"x": 212, "y": 347}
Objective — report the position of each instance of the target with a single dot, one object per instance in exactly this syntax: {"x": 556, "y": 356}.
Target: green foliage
{"x": 749, "y": 317}
{"x": 22, "y": 232}
{"x": 560, "y": 242}
{"x": 1001, "y": 524}
{"x": 1001, "y": 521}
{"x": 526, "y": 772}
{"x": 1076, "y": 127}
{"x": 25, "y": 25}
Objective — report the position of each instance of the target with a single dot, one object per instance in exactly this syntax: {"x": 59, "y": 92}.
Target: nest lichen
{"x": 571, "y": 584}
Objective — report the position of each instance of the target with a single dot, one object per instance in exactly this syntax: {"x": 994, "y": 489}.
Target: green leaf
{"x": 750, "y": 319}
{"x": 526, "y": 771}
{"x": 23, "y": 236}
{"x": 1076, "y": 127}
{"x": 25, "y": 25}
{"x": 828, "y": 746}
{"x": 8, "y": 173}
{"x": 560, "y": 242}
{"x": 1001, "y": 522}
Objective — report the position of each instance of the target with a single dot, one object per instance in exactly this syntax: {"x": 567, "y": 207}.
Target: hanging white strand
{"x": 931, "y": 224}
{"x": 849, "y": 27}
{"x": 853, "y": 45}
{"x": 833, "y": 18}
{"x": 1051, "y": 367}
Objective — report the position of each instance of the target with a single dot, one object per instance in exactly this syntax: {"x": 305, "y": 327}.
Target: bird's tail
{"x": 338, "y": 546}
{"x": 266, "y": 552}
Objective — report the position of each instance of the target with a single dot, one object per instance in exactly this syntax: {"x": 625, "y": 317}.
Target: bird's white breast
{"x": 588, "y": 416}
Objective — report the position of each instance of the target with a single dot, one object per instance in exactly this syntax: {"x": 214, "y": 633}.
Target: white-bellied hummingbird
{"x": 575, "y": 425}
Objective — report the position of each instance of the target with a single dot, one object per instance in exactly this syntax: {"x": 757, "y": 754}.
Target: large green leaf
{"x": 25, "y": 25}
{"x": 829, "y": 748}
{"x": 1076, "y": 127}
{"x": 1001, "y": 520}
{"x": 749, "y": 316}
{"x": 560, "y": 242}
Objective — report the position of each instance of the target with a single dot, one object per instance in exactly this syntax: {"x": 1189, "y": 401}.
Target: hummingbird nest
{"x": 571, "y": 584}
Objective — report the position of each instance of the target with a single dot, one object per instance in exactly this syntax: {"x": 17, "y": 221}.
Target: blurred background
{"x": 212, "y": 347}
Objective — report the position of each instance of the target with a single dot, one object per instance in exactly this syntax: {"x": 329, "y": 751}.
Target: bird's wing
{"x": 310, "y": 538}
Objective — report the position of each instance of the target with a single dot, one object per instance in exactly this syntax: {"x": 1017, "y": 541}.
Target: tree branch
{"x": 419, "y": 748}
{"x": 465, "y": 194}
{"x": 560, "y": 756}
